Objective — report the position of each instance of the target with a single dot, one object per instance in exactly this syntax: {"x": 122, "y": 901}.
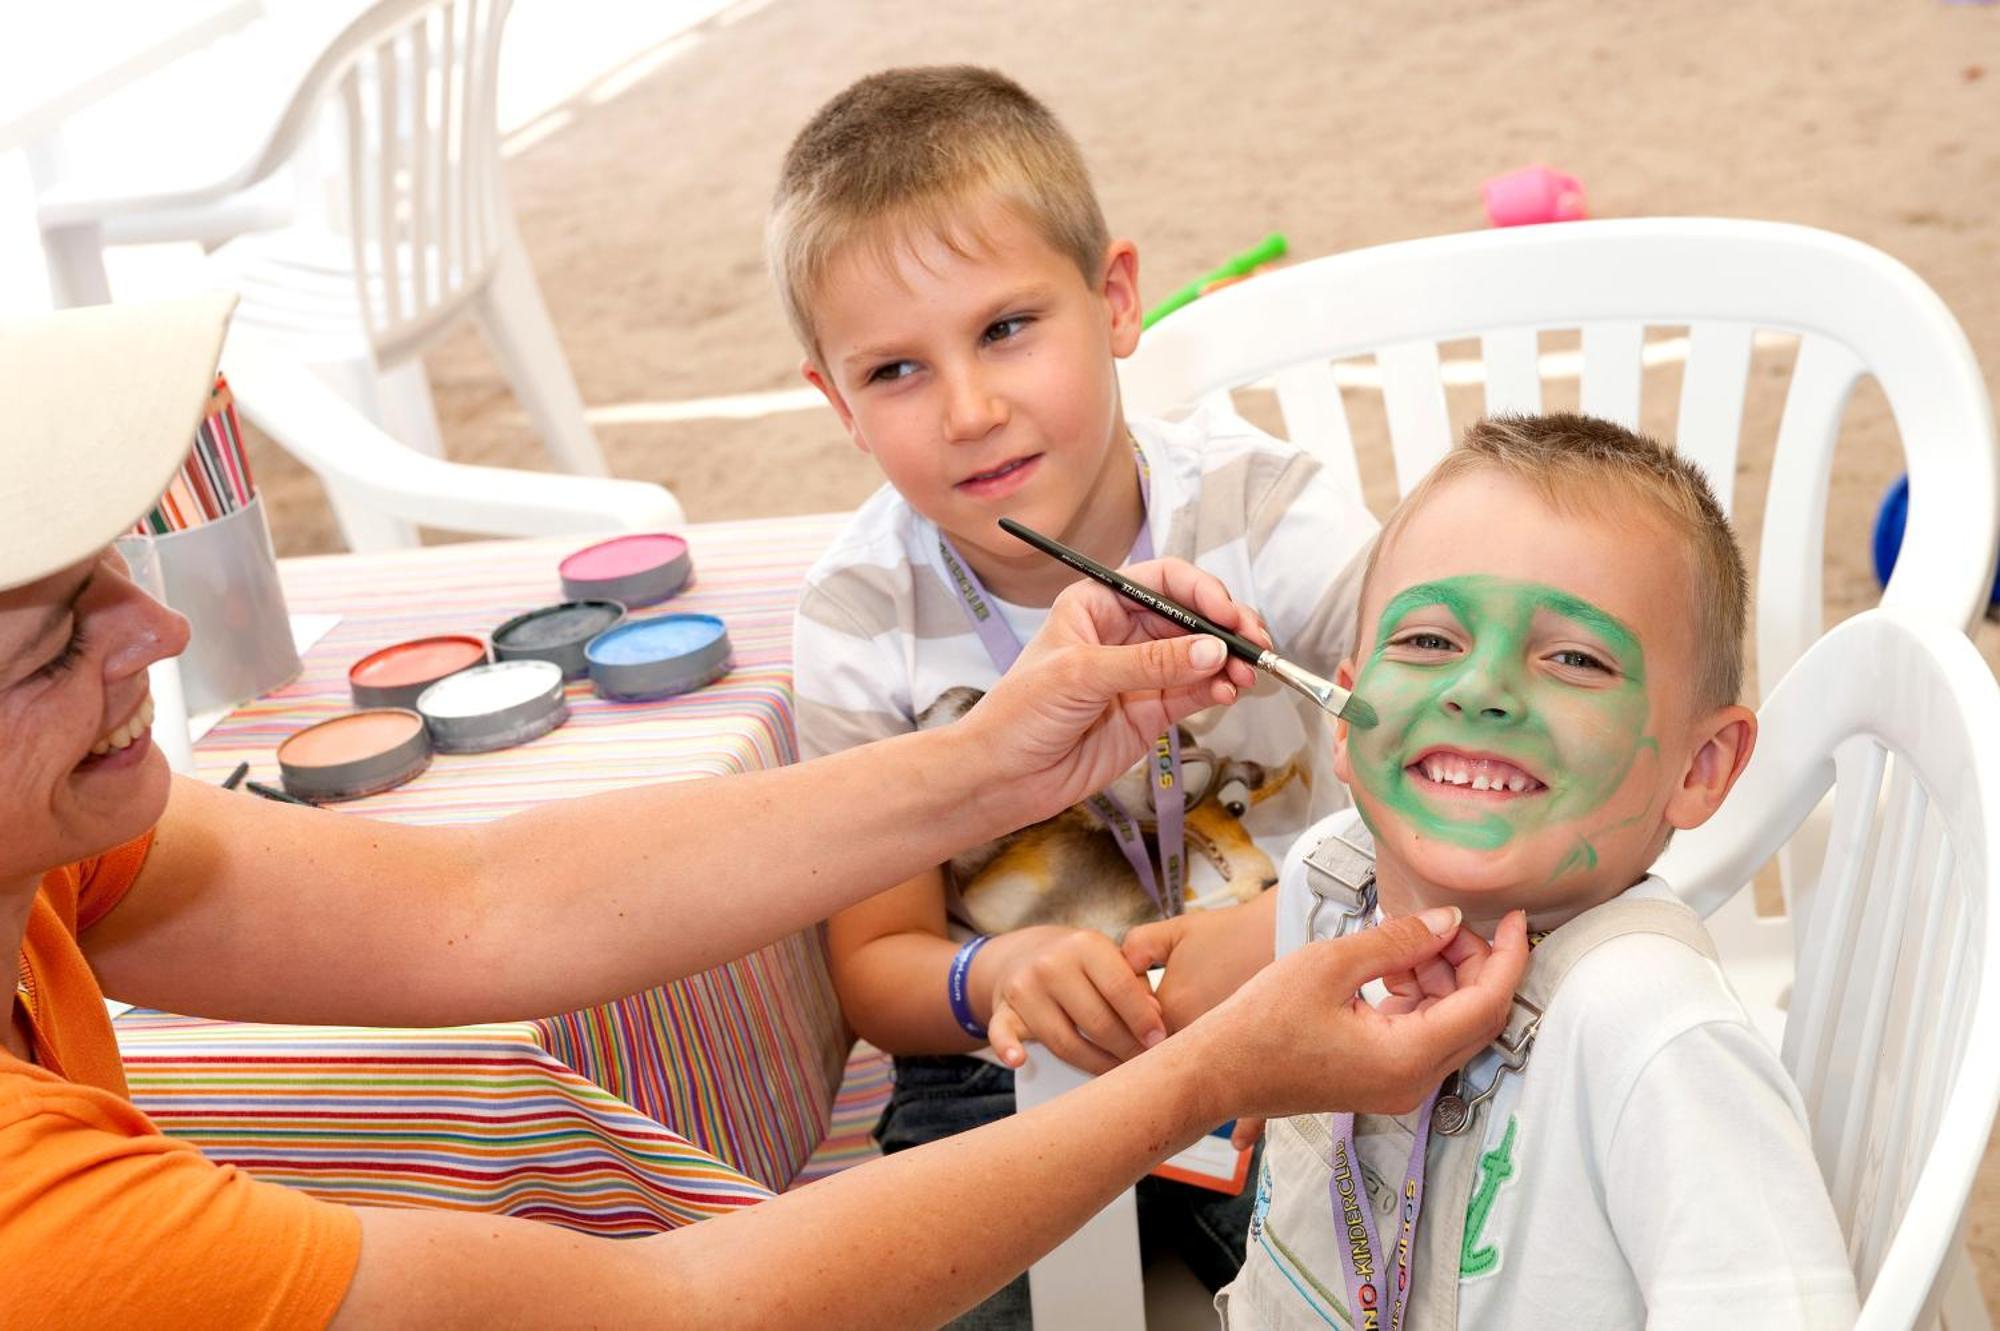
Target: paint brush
{"x": 1329, "y": 695}
{"x": 273, "y": 793}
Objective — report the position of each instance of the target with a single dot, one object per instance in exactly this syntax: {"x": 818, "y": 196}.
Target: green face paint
{"x": 1489, "y": 667}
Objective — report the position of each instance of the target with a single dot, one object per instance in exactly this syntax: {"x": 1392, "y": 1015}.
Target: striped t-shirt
{"x": 883, "y": 646}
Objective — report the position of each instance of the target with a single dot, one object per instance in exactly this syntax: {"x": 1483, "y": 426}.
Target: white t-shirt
{"x": 1652, "y": 1165}
{"x": 883, "y": 646}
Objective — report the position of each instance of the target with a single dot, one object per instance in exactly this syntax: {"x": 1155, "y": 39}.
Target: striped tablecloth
{"x": 470, "y": 1118}
{"x": 745, "y": 1060}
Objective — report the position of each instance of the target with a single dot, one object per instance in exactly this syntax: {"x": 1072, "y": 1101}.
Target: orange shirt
{"x": 103, "y": 1220}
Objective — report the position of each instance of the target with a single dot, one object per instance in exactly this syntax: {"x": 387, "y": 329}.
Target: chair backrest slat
{"x": 1612, "y": 371}
{"x": 1413, "y": 400}
{"x": 1952, "y": 1026}
{"x": 1711, "y": 408}
{"x": 1885, "y": 913}
{"x": 483, "y": 144}
{"x": 1818, "y": 1006}
{"x": 1912, "y": 1097}
{"x": 1316, "y": 419}
{"x": 447, "y": 132}
{"x": 386, "y": 139}
{"x": 1513, "y": 361}
{"x": 361, "y": 209}
{"x": 1824, "y": 923}
{"x": 423, "y": 210}
{"x": 1793, "y": 544}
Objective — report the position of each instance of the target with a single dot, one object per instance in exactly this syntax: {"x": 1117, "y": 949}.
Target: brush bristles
{"x": 1358, "y": 713}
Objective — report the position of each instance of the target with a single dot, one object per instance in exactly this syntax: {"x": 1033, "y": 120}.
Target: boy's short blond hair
{"x": 1582, "y": 463}
{"x": 899, "y": 153}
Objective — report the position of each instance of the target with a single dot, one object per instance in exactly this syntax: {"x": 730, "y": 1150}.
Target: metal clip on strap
{"x": 1455, "y": 1110}
{"x": 1341, "y": 873}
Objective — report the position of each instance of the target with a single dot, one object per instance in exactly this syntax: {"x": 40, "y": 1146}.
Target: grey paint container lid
{"x": 494, "y": 706}
{"x": 557, "y": 633}
{"x": 642, "y": 569}
{"x": 659, "y": 657}
{"x": 356, "y": 754}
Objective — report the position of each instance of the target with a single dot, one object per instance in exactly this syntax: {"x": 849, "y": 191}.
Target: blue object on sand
{"x": 1890, "y": 520}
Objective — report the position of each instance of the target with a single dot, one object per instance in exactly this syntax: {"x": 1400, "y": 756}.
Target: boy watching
{"x": 943, "y": 259}
{"x": 1551, "y": 636}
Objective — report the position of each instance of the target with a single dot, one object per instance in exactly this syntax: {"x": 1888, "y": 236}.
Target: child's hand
{"x": 1207, "y": 954}
{"x": 1072, "y": 990}
{"x": 1450, "y": 970}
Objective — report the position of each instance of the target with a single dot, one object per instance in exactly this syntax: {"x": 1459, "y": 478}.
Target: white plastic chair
{"x": 429, "y": 236}
{"x": 387, "y": 489}
{"x": 153, "y": 126}
{"x": 1856, "y": 310}
{"x": 1894, "y": 1034}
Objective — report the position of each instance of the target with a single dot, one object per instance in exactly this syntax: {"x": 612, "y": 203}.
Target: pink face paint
{"x": 636, "y": 570}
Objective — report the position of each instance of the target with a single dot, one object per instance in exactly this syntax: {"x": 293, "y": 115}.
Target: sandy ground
{"x": 1206, "y": 127}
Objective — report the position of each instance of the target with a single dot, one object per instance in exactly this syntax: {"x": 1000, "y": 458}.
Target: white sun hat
{"x": 100, "y": 407}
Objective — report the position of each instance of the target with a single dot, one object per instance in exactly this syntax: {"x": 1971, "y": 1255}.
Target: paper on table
{"x": 306, "y": 631}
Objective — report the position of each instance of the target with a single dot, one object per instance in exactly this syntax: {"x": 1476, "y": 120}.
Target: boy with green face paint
{"x": 1550, "y": 634}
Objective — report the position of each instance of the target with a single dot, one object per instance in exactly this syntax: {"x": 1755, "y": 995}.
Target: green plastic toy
{"x": 1268, "y": 250}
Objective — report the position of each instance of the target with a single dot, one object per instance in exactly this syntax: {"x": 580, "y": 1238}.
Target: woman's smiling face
{"x": 1532, "y": 670}
{"x": 81, "y": 774}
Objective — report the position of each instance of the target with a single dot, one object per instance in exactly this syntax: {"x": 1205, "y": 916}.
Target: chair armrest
{"x": 347, "y": 450}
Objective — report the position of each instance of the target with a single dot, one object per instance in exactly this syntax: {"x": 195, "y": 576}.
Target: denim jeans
{"x": 938, "y": 1096}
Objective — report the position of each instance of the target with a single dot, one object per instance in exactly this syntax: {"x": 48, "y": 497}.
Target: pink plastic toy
{"x": 1533, "y": 194}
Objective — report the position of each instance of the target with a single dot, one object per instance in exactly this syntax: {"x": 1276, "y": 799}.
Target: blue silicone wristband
{"x": 955, "y": 986}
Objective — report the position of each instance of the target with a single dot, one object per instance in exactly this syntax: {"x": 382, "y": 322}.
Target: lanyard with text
{"x": 1003, "y": 646}
{"x": 1361, "y": 1254}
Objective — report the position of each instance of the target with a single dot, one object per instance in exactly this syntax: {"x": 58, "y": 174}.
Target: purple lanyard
{"x": 1354, "y": 1221}
{"x": 1003, "y": 645}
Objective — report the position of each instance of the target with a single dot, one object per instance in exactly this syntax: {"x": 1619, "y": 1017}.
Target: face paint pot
{"x": 395, "y": 676}
{"x": 494, "y": 706}
{"x": 635, "y": 570}
{"x": 657, "y": 658}
{"x": 557, "y": 633}
{"x": 361, "y": 753}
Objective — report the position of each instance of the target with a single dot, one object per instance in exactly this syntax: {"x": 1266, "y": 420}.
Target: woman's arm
{"x": 911, "y": 1239}
{"x": 261, "y": 911}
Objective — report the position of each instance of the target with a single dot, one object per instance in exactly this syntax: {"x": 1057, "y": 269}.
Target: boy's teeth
{"x": 1476, "y": 774}
{"x": 122, "y": 738}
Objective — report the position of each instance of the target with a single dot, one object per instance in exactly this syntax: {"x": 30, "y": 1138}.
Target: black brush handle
{"x": 273, "y": 793}
{"x": 1239, "y": 646}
